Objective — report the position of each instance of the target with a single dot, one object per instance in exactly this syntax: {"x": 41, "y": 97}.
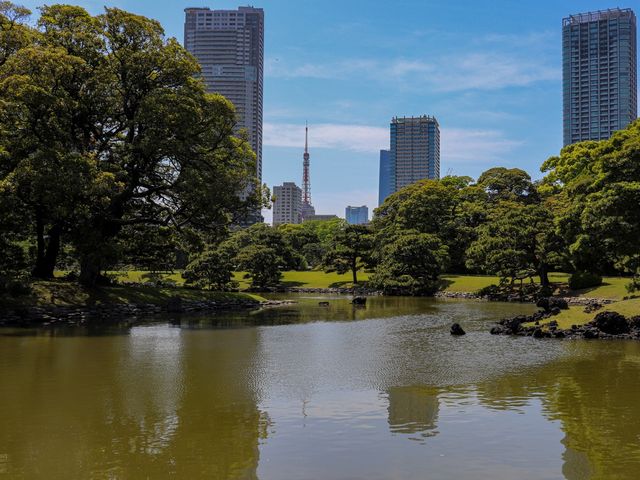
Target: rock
{"x": 537, "y": 333}
{"x": 497, "y": 330}
{"x": 555, "y": 311}
{"x": 634, "y": 322}
{"x": 174, "y": 305}
{"x": 612, "y": 323}
{"x": 359, "y": 301}
{"x": 456, "y": 329}
{"x": 590, "y": 334}
{"x": 548, "y": 304}
{"x": 323, "y": 304}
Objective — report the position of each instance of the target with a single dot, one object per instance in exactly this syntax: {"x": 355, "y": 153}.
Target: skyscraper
{"x": 357, "y": 215}
{"x": 386, "y": 172}
{"x": 415, "y": 150}
{"x": 229, "y": 44}
{"x": 598, "y": 74}
{"x": 287, "y": 206}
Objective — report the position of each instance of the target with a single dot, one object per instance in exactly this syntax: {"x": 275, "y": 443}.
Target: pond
{"x": 312, "y": 392}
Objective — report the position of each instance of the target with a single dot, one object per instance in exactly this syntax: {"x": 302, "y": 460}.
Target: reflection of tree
{"x": 413, "y": 410}
{"x": 158, "y": 403}
{"x": 594, "y": 393}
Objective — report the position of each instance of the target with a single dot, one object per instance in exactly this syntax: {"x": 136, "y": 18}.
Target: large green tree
{"x": 107, "y": 125}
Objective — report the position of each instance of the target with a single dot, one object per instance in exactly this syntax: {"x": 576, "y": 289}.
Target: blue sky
{"x": 490, "y": 71}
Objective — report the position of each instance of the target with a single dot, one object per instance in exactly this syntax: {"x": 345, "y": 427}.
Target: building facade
{"x": 357, "y": 215}
{"x": 415, "y": 150}
{"x": 287, "y": 204}
{"x": 599, "y": 74}
{"x": 386, "y": 174}
{"x": 229, "y": 45}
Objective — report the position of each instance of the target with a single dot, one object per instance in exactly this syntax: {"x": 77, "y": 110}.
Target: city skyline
{"x": 490, "y": 72}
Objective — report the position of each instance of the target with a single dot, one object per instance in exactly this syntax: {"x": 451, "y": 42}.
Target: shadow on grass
{"x": 291, "y": 284}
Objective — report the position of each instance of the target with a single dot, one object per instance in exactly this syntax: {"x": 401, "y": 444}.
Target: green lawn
{"x": 577, "y": 316}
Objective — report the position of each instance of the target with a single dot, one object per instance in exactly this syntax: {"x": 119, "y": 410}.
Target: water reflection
{"x": 413, "y": 410}
{"x": 327, "y": 392}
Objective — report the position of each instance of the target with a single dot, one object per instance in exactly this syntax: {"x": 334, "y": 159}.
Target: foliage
{"x": 212, "y": 269}
{"x": 411, "y": 265}
{"x": 581, "y": 280}
{"x": 262, "y": 264}
{"x": 517, "y": 242}
{"x": 106, "y": 125}
{"x": 350, "y": 250}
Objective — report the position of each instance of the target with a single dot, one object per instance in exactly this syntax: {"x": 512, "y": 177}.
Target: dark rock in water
{"x": 612, "y": 323}
{"x": 634, "y": 322}
{"x": 174, "y": 305}
{"x": 590, "y": 334}
{"x": 359, "y": 301}
{"x": 537, "y": 333}
{"x": 559, "y": 334}
{"x": 497, "y": 330}
{"x": 456, "y": 329}
{"x": 323, "y": 304}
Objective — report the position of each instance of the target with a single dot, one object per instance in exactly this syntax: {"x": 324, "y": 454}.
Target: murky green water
{"x": 309, "y": 392}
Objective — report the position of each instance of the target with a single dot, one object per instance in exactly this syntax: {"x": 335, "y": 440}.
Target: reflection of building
{"x": 599, "y": 74}
{"x": 322, "y": 218}
{"x": 229, "y": 45}
{"x": 357, "y": 215}
{"x": 415, "y": 150}
{"x": 413, "y": 410}
{"x": 385, "y": 188}
{"x": 287, "y": 205}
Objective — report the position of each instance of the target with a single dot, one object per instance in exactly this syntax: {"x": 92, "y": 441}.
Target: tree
{"x": 211, "y": 269}
{"x": 599, "y": 184}
{"x": 262, "y": 265}
{"x": 109, "y": 101}
{"x": 261, "y": 234}
{"x": 518, "y": 240}
{"x": 350, "y": 250}
{"x": 511, "y": 184}
{"x": 411, "y": 265}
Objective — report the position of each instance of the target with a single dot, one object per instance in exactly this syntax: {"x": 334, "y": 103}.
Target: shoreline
{"x": 76, "y": 315}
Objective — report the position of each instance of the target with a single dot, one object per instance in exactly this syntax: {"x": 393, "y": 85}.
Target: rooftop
{"x": 597, "y": 15}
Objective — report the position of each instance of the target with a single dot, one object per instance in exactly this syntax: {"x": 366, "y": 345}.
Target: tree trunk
{"x": 47, "y": 250}
{"x": 354, "y": 270}
{"x": 89, "y": 270}
{"x": 544, "y": 276}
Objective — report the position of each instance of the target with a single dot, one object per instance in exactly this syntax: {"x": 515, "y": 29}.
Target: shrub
{"x": 581, "y": 280}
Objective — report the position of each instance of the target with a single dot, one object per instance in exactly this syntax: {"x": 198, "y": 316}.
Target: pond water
{"x": 311, "y": 392}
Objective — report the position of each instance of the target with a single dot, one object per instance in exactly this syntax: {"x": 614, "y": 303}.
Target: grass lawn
{"x": 576, "y": 315}
{"x": 70, "y": 294}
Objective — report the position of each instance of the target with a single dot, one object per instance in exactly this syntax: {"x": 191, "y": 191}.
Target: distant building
{"x": 321, "y": 218}
{"x": 385, "y": 188}
{"x": 599, "y": 74}
{"x": 287, "y": 205}
{"x": 415, "y": 150}
{"x": 357, "y": 215}
{"x": 229, "y": 45}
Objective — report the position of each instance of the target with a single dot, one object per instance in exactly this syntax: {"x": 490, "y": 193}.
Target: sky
{"x": 489, "y": 71}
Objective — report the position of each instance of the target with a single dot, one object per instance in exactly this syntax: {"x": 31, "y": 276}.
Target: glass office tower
{"x": 599, "y": 74}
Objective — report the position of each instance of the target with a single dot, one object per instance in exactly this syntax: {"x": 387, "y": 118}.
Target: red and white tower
{"x": 307, "y": 208}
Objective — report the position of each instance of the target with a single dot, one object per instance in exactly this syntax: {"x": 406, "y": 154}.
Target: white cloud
{"x": 358, "y": 138}
{"x": 481, "y": 70}
{"x": 481, "y": 146}
{"x": 457, "y": 144}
